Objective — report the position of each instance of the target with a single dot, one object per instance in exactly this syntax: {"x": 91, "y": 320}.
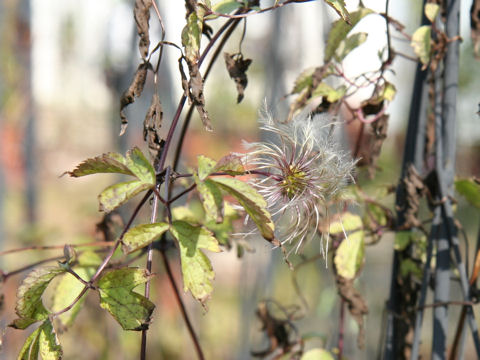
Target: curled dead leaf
{"x": 142, "y": 18}
{"x": 134, "y": 90}
{"x": 237, "y": 68}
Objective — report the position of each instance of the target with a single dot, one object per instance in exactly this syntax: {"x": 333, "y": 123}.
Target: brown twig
{"x": 54, "y": 247}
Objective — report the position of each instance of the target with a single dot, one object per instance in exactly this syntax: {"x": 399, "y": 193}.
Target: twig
{"x": 230, "y": 25}
{"x": 241, "y": 16}
{"x": 107, "y": 258}
{"x": 53, "y": 247}
{"x": 153, "y": 218}
{"x": 341, "y": 328}
{"x": 178, "y": 196}
{"x": 6, "y": 275}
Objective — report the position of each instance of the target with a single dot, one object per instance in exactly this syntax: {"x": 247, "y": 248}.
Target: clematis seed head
{"x": 305, "y": 170}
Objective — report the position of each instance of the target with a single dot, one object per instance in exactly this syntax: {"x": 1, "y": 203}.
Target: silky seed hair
{"x": 308, "y": 171}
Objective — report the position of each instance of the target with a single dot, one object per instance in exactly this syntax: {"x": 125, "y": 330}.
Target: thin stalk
{"x": 186, "y": 123}
{"x": 153, "y": 218}
{"x": 107, "y": 258}
{"x": 341, "y": 329}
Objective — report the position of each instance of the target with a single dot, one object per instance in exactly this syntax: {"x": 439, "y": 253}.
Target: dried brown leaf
{"x": 280, "y": 331}
{"x": 142, "y": 18}
{"x": 379, "y": 134}
{"x": 237, "y": 68}
{"x": 356, "y": 305}
{"x": 195, "y": 94}
{"x": 414, "y": 189}
{"x": 306, "y": 94}
{"x": 134, "y": 90}
{"x": 152, "y": 125}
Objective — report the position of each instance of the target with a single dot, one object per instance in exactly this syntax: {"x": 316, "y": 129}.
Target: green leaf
{"x": 231, "y": 164}
{"x": 408, "y": 266}
{"x": 140, "y": 166}
{"x": 66, "y": 290}
{"x": 377, "y": 214}
{"x": 29, "y": 306}
{"x": 470, "y": 190}
{"x": 196, "y": 268}
{"x": 191, "y": 36}
{"x": 340, "y": 30}
{"x": 226, "y": 6}
{"x": 349, "y": 44}
{"x": 327, "y": 91}
{"x": 118, "y": 194}
{"x": 317, "y": 354}
{"x": 205, "y": 166}
{"x": 431, "y": 11}
{"x": 43, "y": 341}
{"x": 339, "y": 7}
{"x": 212, "y": 199}
{"x": 224, "y": 230}
{"x": 106, "y": 163}
{"x": 31, "y": 347}
{"x": 422, "y": 43}
{"x": 253, "y": 203}
{"x": 347, "y": 222}
{"x": 350, "y": 255}
{"x": 304, "y": 81}
{"x": 389, "y": 91}
{"x": 135, "y": 164}
{"x": 50, "y": 348}
{"x": 142, "y": 235}
{"x": 402, "y": 240}
{"x": 89, "y": 258}
{"x": 130, "y": 309}
{"x": 186, "y": 214}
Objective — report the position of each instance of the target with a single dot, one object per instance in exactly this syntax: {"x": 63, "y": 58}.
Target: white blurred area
{"x": 73, "y": 41}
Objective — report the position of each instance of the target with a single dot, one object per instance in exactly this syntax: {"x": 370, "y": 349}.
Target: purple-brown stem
{"x": 341, "y": 329}
{"x": 153, "y": 218}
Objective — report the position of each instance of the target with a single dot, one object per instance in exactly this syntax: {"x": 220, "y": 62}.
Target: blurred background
{"x": 64, "y": 65}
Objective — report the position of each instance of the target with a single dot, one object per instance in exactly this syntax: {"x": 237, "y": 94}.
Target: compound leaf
{"x": 231, "y": 164}
{"x": 253, "y": 203}
{"x": 43, "y": 341}
{"x": 339, "y": 7}
{"x": 347, "y": 222}
{"x": 118, "y": 194}
{"x": 131, "y": 310}
{"x": 196, "y": 267}
{"x": 212, "y": 199}
{"x": 191, "y": 36}
{"x": 140, "y": 166}
{"x": 66, "y": 290}
{"x": 29, "y": 306}
{"x": 106, "y": 163}
{"x": 350, "y": 255}
{"x": 422, "y": 43}
{"x": 303, "y": 81}
{"x": 226, "y": 6}
{"x": 349, "y": 44}
{"x": 340, "y": 30}
{"x": 205, "y": 166}
{"x": 432, "y": 11}
{"x": 142, "y": 235}
{"x": 328, "y": 92}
